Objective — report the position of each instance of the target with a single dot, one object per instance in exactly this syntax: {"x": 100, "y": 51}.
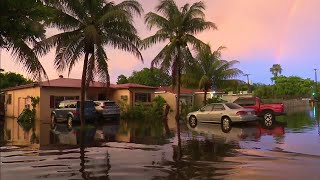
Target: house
{"x": 169, "y": 94}
{"x": 52, "y": 92}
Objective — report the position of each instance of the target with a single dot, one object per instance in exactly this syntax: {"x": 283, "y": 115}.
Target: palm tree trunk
{"x": 178, "y": 97}
{"x": 205, "y": 97}
{"x": 82, "y": 97}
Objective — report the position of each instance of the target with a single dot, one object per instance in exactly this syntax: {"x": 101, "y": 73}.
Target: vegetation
{"x": 285, "y": 87}
{"x": 212, "y": 71}
{"x": 27, "y": 119}
{"x": 176, "y": 27}
{"x": 276, "y": 70}
{"x": 21, "y": 28}
{"x": 87, "y": 27}
{"x": 10, "y": 79}
{"x": 149, "y": 77}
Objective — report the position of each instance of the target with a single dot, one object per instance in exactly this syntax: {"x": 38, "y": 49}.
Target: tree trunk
{"x": 82, "y": 97}
{"x": 205, "y": 97}
{"x": 178, "y": 97}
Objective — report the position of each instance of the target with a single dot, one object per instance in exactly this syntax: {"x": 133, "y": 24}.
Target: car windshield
{"x": 109, "y": 104}
{"x": 87, "y": 104}
{"x": 233, "y": 106}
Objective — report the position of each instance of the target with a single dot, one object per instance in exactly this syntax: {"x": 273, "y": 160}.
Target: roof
{"x": 171, "y": 90}
{"x": 76, "y": 83}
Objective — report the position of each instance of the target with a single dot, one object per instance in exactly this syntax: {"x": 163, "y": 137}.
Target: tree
{"x": 212, "y": 71}
{"x": 122, "y": 79}
{"x": 21, "y": 29}
{"x": 176, "y": 27}
{"x": 276, "y": 70}
{"x": 10, "y": 79}
{"x": 150, "y": 77}
{"x": 88, "y": 26}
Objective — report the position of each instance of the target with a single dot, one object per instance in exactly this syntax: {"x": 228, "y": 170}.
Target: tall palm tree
{"x": 276, "y": 69}
{"x": 88, "y": 27}
{"x": 20, "y": 29}
{"x": 211, "y": 70}
{"x": 177, "y": 28}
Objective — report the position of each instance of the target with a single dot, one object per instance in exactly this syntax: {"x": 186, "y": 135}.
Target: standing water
{"x": 290, "y": 149}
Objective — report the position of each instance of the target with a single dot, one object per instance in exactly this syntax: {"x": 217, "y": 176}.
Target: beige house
{"x": 51, "y": 93}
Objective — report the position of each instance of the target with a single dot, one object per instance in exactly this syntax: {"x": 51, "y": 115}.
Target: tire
{"x": 268, "y": 118}
{"x": 226, "y": 124}
{"x": 53, "y": 123}
{"x": 193, "y": 121}
{"x": 69, "y": 122}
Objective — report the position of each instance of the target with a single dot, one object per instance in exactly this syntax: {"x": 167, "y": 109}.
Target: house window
{"x": 9, "y": 100}
{"x": 142, "y": 97}
{"x": 55, "y": 100}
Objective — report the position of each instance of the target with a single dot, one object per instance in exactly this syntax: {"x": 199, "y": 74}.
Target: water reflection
{"x": 142, "y": 150}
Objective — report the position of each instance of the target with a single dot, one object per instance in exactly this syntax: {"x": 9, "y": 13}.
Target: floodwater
{"x": 142, "y": 150}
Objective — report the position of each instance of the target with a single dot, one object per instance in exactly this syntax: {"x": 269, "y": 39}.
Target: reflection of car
{"x": 226, "y": 113}
{"x": 107, "y": 109}
{"x": 69, "y": 111}
{"x": 235, "y": 133}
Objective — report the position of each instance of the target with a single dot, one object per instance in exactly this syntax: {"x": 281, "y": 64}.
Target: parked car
{"x": 69, "y": 111}
{"x": 266, "y": 111}
{"x": 224, "y": 113}
{"x": 107, "y": 109}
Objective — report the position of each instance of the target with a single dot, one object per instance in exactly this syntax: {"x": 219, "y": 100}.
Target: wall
{"x": 116, "y": 96}
{"x": 170, "y": 98}
{"x": 13, "y": 110}
{"x": 45, "y": 113}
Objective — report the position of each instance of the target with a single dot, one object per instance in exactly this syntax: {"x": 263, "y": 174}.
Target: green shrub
{"x": 215, "y": 100}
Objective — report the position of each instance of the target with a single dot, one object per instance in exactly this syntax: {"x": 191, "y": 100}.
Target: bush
{"x": 215, "y": 100}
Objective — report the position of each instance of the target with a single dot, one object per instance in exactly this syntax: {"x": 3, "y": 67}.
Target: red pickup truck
{"x": 267, "y": 111}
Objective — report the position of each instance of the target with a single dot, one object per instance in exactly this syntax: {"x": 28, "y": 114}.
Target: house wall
{"x": 170, "y": 98}
{"x": 141, "y": 90}
{"x": 125, "y": 93}
{"x": 45, "y": 112}
{"x": 13, "y": 131}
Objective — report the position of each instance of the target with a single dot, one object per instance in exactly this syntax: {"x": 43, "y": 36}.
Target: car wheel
{"x": 268, "y": 118}
{"x": 226, "y": 124}
{"x": 69, "y": 122}
{"x": 53, "y": 121}
{"x": 193, "y": 121}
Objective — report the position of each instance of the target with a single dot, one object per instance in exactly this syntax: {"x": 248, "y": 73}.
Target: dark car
{"x": 69, "y": 111}
{"x": 107, "y": 109}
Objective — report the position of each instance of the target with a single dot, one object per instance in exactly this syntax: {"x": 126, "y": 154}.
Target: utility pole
{"x": 248, "y": 83}
{"x": 316, "y": 84}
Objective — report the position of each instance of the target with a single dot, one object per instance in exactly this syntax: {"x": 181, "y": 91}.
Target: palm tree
{"x": 211, "y": 70}
{"x": 20, "y": 29}
{"x": 88, "y": 26}
{"x": 276, "y": 70}
{"x": 177, "y": 27}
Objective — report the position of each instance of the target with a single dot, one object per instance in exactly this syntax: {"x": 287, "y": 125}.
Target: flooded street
{"x": 290, "y": 149}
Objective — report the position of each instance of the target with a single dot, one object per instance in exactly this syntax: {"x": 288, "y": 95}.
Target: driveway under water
{"x": 141, "y": 150}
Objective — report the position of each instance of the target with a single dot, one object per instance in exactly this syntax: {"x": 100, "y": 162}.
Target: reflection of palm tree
{"x": 89, "y": 175}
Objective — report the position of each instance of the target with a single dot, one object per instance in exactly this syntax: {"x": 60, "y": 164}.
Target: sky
{"x": 257, "y": 33}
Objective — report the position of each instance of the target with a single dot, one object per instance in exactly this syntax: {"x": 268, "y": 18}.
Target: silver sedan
{"x": 224, "y": 113}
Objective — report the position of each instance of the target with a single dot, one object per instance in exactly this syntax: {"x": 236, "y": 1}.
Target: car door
{"x": 216, "y": 113}
{"x": 204, "y": 113}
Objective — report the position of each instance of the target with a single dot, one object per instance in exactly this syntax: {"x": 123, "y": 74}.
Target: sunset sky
{"x": 258, "y": 33}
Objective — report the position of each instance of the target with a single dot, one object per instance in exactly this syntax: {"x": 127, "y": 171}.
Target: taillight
{"x": 241, "y": 113}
